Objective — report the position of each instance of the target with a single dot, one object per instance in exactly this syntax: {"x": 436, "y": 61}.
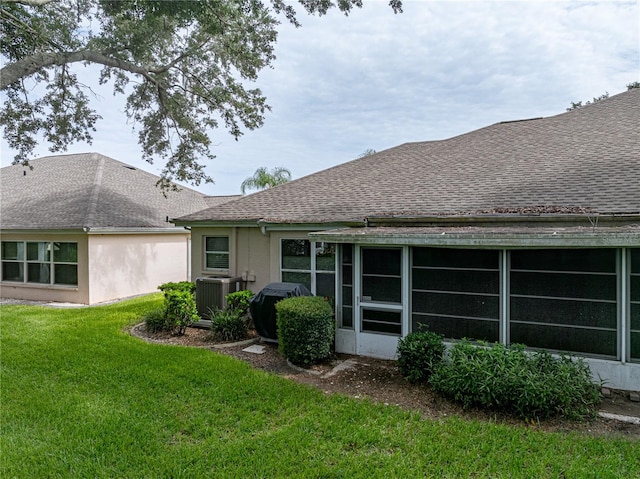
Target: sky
{"x": 374, "y": 80}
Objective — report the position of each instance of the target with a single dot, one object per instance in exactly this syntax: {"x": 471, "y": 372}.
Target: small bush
{"x": 180, "y": 310}
{"x": 305, "y": 329}
{"x": 229, "y": 324}
{"x": 527, "y": 384}
{"x": 419, "y": 353}
{"x": 188, "y": 286}
{"x": 154, "y": 321}
{"x": 239, "y": 301}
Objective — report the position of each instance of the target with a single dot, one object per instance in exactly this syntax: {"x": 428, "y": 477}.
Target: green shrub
{"x": 154, "y": 321}
{"x": 305, "y": 329}
{"x": 418, "y": 355}
{"x": 229, "y": 324}
{"x": 527, "y": 384}
{"x": 180, "y": 310}
{"x": 239, "y": 301}
{"x": 180, "y": 286}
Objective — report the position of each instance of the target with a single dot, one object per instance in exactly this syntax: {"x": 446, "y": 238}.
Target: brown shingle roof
{"x": 88, "y": 190}
{"x": 584, "y": 160}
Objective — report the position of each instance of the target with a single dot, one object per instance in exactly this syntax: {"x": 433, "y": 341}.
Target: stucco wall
{"x": 249, "y": 255}
{"x": 51, "y": 293}
{"x": 127, "y": 265}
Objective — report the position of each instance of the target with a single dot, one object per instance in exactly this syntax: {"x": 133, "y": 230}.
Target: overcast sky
{"x": 373, "y": 80}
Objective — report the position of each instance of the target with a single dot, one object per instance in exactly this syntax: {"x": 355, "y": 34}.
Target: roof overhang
{"x": 95, "y": 230}
{"x": 488, "y": 237}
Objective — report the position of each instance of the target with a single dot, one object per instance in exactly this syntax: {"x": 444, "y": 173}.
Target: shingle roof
{"x": 583, "y": 160}
{"x": 88, "y": 190}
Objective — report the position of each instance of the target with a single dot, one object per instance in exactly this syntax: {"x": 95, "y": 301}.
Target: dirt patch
{"x": 380, "y": 381}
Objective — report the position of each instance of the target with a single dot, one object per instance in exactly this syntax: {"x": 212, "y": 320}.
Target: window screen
{"x": 635, "y": 304}
{"x": 456, "y": 292}
{"x": 564, "y": 300}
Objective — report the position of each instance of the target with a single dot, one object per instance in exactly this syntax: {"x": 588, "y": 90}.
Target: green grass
{"x": 82, "y": 398}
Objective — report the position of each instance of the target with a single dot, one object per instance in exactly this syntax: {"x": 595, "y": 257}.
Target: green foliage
{"x": 239, "y": 300}
{"x": 228, "y": 324}
{"x": 528, "y": 384}
{"x": 188, "y": 286}
{"x": 186, "y": 68}
{"x": 263, "y": 179}
{"x": 419, "y": 353}
{"x": 155, "y": 320}
{"x": 81, "y": 399}
{"x": 305, "y": 329}
{"x": 180, "y": 310}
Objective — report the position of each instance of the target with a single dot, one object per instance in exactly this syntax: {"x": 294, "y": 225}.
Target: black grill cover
{"x": 263, "y": 306}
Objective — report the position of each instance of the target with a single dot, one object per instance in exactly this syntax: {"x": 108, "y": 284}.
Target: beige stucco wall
{"x": 126, "y": 265}
{"x": 51, "y": 293}
{"x": 252, "y": 253}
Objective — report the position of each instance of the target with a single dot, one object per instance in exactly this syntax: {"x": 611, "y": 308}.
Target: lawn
{"x": 82, "y": 398}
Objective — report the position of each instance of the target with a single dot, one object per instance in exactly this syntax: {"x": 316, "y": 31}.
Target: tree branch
{"x": 30, "y": 3}
{"x": 14, "y": 72}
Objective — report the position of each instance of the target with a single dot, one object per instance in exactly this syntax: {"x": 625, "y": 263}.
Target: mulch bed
{"x": 380, "y": 381}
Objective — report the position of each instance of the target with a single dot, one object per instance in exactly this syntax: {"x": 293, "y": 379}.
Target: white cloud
{"x": 341, "y": 85}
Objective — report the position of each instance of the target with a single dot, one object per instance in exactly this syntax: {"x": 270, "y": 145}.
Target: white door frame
{"x": 380, "y": 345}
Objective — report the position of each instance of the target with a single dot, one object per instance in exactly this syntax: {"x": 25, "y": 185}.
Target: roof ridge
{"x": 95, "y": 193}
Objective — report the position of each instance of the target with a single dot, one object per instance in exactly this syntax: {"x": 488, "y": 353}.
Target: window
{"x": 40, "y": 262}
{"x": 216, "y": 252}
{"x": 565, "y": 300}
{"x": 635, "y": 304}
{"x": 312, "y": 263}
{"x": 456, "y": 292}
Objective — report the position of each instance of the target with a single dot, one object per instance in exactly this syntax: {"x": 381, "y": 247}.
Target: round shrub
{"x": 239, "y": 300}
{"x": 419, "y": 353}
{"x": 305, "y": 329}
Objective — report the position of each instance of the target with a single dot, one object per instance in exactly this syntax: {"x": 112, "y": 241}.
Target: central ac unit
{"x": 211, "y": 292}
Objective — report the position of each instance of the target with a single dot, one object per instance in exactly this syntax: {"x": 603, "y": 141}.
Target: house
{"x": 523, "y": 231}
{"x": 85, "y": 228}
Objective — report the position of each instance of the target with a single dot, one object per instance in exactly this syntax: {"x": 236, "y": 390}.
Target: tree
{"x": 604, "y": 96}
{"x": 263, "y": 179}
{"x": 184, "y": 67}
{"x": 367, "y": 152}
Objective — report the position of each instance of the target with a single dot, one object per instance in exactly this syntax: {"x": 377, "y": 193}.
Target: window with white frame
{"x": 40, "y": 262}
{"x": 312, "y": 263}
{"x": 216, "y": 253}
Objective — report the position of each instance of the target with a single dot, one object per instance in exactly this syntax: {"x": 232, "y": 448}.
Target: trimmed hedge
{"x": 508, "y": 378}
{"x": 188, "y": 286}
{"x": 305, "y": 329}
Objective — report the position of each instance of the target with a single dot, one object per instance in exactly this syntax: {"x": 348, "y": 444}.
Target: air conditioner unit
{"x": 211, "y": 292}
